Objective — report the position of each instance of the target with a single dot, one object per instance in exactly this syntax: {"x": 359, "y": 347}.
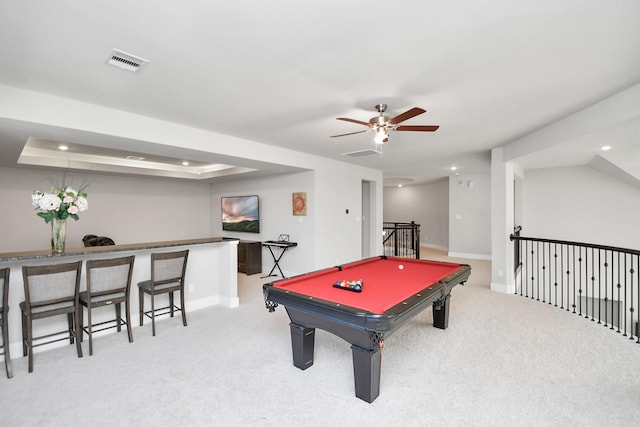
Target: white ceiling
{"x": 280, "y": 72}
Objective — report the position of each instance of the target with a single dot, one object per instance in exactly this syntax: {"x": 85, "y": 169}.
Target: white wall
{"x": 427, "y": 205}
{"x": 580, "y": 204}
{"x": 338, "y": 233}
{"x": 470, "y": 216}
{"x": 276, "y": 217}
{"x": 327, "y": 235}
{"x": 129, "y": 210}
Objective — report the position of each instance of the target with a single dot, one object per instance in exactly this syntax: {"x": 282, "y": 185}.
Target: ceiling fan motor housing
{"x": 378, "y": 121}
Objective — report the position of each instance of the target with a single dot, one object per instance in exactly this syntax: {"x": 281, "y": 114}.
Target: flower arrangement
{"x": 60, "y": 203}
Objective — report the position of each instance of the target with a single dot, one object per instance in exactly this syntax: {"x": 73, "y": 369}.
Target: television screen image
{"x": 241, "y": 213}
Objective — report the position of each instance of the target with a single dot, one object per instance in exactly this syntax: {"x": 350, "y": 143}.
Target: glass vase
{"x": 58, "y": 235}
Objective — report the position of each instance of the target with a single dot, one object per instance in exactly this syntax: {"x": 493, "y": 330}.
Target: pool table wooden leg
{"x": 302, "y": 344}
{"x": 366, "y": 371}
{"x": 441, "y": 312}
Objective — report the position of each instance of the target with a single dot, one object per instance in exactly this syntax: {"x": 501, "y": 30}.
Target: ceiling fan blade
{"x": 350, "y": 133}
{"x": 418, "y": 128}
{"x": 406, "y": 115}
{"x": 353, "y": 121}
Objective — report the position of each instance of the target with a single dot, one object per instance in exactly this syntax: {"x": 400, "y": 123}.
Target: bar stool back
{"x": 4, "y": 310}
{"x": 50, "y": 290}
{"x": 108, "y": 283}
{"x": 167, "y": 277}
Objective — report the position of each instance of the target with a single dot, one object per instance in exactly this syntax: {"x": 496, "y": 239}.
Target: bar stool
{"x": 50, "y": 290}
{"x": 167, "y": 277}
{"x": 108, "y": 283}
{"x": 4, "y": 311}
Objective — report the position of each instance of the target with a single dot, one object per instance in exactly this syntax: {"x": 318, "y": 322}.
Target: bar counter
{"x": 46, "y": 254}
{"x": 211, "y": 279}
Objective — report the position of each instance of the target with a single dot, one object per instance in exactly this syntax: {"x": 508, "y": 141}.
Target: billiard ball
{"x": 400, "y": 267}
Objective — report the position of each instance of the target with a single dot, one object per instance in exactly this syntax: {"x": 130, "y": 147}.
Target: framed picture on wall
{"x": 299, "y": 204}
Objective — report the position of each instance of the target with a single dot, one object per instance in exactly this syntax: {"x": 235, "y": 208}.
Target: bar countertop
{"x": 46, "y": 254}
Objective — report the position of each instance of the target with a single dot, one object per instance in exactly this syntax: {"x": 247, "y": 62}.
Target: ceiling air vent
{"x": 126, "y": 61}
{"x": 362, "y": 153}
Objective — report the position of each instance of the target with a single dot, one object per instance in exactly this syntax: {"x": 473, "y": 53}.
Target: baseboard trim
{"x": 432, "y": 246}
{"x": 469, "y": 256}
{"x": 503, "y": 288}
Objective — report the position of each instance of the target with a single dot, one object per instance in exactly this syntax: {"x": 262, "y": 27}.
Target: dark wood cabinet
{"x": 249, "y": 257}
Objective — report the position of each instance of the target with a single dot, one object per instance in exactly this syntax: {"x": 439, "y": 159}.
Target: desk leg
{"x": 302, "y": 344}
{"x": 366, "y": 370}
{"x": 441, "y": 312}
{"x": 276, "y": 263}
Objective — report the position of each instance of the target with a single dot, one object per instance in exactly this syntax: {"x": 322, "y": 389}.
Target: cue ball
{"x": 400, "y": 267}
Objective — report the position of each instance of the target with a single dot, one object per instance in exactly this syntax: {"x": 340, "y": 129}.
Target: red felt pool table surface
{"x": 385, "y": 284}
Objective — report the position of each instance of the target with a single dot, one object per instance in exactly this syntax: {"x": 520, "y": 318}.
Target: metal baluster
{"x": 525, "y": 278}
{"x": 574, "y": 279}
{"x": 638, "y": 304}
{"x": 580, "y": 282}
{"x": 555, "y": 273}
{"x": 536, "y": 272}
{"x": 544, "y": 276}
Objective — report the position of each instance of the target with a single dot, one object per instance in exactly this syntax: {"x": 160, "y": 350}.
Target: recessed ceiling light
{"x": 63, "y": 147}
{"x": 185, "y": 163}
{"x": 453, "y": 168}
{"x": 399, "y": 185}
{"x": 606, "y": 148}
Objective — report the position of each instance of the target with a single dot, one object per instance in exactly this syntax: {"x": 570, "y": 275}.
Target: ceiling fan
{"x": 382, "y": 124}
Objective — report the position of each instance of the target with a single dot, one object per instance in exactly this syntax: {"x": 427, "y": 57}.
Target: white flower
{"x": 35, "y": 199}
{"x": 49, "y": 202}
{"x": 82, "y": 204}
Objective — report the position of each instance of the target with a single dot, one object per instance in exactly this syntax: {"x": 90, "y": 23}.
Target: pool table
{"x": 393, "y": 291}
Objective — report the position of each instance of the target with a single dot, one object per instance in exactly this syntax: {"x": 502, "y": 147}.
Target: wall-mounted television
{"x": 241, "y": 213}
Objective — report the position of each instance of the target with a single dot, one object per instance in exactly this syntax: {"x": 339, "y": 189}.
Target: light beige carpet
{"x": 505, "y": 360}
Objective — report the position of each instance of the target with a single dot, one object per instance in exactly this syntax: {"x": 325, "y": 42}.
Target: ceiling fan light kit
{"x": 382, "y": 124}
{"x": 382, "y": 136}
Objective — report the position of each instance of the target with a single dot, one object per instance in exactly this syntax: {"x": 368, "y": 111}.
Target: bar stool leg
{"x": 118, "y": 318}
{"x": 184, "y": 314}
{"x": 29, "y": 344}
{"x": 141, "y": 305}
{"x": 127, "y": 311}
{"x": 5, "y": 344}
{"x": 24, "y": 334}
{"x": 153, "y": 314}
{"x": 71, "y": 327}
{"x": 89, "y": 328}
{"x": 76, "y": 327}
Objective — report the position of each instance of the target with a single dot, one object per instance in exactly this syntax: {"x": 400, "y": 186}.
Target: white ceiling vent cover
{"x": 362, "y": 153}
{"x": 126, "y": 61}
